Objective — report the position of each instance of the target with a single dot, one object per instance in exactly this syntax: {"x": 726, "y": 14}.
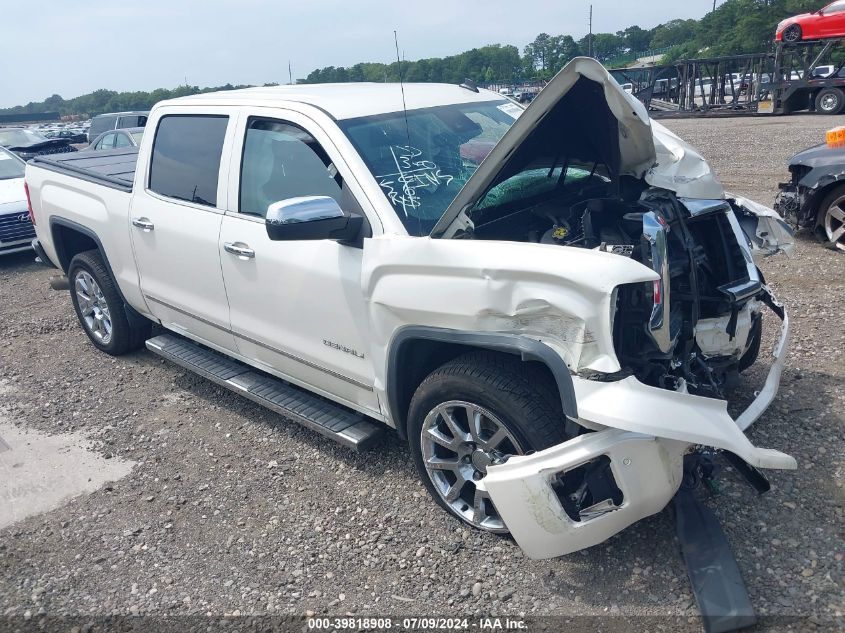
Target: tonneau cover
{"x": 112, "y": 168}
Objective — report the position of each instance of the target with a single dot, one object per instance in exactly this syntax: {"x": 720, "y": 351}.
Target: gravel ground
{"x": 232, "y": 510}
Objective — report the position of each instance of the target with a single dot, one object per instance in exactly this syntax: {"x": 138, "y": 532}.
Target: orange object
{"x": 836, "y": 137}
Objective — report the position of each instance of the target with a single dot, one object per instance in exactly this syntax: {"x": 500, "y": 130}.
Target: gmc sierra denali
{"x": 548, "y": 303}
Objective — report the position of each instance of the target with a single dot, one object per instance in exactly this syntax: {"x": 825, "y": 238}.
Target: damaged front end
{"x": 814, "y": 172}
{"x": 584, "y": 170}
{"x": 703, "y": 317}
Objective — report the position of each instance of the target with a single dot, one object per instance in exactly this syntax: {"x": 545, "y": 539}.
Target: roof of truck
{"x": 346, "y": 100}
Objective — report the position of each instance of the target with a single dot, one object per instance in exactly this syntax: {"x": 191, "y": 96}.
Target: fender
{"x": 526, "y": 348}
{"x": 134, "y": 317}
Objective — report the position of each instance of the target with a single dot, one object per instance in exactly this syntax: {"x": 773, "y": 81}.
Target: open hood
{"x": 585, "y": 111}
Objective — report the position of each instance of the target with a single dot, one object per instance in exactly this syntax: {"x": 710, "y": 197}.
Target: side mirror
{"x": 311, "y": 218}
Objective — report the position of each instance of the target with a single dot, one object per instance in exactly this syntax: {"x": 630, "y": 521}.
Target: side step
{"x": 713, "y": 571}
{"x": 343, "y": 425}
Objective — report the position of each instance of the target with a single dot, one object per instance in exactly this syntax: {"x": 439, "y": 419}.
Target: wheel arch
{"x": 71, "y": 238}
{"x": 416, "y": 351}
{"x": 819, "y": 195}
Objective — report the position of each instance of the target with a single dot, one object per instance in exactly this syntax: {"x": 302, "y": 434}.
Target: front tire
{"x": 473, "y": 412}
{"x": 830, "y": 220}
{"x": 792, "y": 34}
{"x": 100, "y": 308}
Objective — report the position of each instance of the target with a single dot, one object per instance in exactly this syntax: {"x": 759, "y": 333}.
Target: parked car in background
{"x": 27, "y": 143}
{"x": 822, "y": 24}
{"x": 16, "y": 230}
{"x": 116, "y": 121}
{"x": 814, "y": 198}
{"x": 116, "y": 139}
{"x": 72, "y": 135}
{"x": 820, "y": 72}
{"x": 333, "y": 253}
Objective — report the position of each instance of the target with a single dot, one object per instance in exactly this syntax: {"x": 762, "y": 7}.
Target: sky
{"x": 72, "y": 47}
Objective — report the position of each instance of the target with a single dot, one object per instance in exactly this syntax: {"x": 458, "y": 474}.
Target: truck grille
{"x": 15, "y": 227}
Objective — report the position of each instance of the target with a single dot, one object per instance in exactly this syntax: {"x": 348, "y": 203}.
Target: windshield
{"x": 422, "y": 176}
{"x": 10, "y": 165}
{"x": 20, "y": 138}
{"x": 137, "y": 136}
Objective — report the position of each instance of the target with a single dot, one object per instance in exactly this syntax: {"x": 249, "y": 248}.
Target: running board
{"x": 343, "y": 425}
{"x": 713, "y": 571}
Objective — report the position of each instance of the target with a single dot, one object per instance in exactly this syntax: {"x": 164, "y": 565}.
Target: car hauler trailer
{"x": 802, "y": 76}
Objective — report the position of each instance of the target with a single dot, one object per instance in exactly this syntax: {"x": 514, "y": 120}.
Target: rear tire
{"x": 830, "y": 101}
{"x": 508, "y": 403}
{"x": 100, "y": 308}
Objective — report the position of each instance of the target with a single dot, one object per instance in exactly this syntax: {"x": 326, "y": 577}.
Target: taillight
{"x": 29, "y": 204}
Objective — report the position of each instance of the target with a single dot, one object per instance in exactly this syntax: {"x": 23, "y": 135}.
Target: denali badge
{"x": 342, "y": 348}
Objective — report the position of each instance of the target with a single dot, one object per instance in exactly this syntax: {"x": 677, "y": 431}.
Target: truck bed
{"x": 113, "y": 168}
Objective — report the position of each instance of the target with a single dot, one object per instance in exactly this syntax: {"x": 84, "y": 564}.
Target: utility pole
{"x": 714, "y": 5}
{"x": 590, "y": 36}
{"x": 290, "y": 74}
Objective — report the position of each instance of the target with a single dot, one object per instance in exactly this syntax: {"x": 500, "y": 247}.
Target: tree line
{"x": 735, "y": 27}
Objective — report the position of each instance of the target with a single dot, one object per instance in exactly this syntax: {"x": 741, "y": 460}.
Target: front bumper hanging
{"x": 644, "y": 432}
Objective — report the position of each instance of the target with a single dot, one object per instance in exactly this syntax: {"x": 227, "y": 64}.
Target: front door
{"x": 296, "y": 307}
{"x": 832, "y": 20}
{"x": 175, "y": 225}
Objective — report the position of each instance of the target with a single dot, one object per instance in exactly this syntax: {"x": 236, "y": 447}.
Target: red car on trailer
{"x": 822, "y": 24}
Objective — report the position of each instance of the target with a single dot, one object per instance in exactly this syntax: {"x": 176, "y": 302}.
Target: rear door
{"x": 175, "y": 223}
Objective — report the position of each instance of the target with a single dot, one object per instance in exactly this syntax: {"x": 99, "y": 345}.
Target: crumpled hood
{"x": 680, "y": 168}
{"x": 645, "y": 149}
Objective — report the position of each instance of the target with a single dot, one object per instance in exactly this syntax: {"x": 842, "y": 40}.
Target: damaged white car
{"x": 549, "y": 304}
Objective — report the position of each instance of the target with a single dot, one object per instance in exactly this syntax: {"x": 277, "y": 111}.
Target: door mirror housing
{"x": 311, "y": 218}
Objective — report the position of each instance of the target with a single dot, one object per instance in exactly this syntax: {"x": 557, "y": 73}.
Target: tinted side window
{"x": 121, "y": 140}
{"x": 282, "y": 161}
{"x": 101, "y": 124}
{"x": 186, "y": 157}
{"x": 135, "y": 120}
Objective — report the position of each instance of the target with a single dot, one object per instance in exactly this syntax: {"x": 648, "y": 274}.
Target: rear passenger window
{"x": 186, "y": 157}
{"x": 282, "y": 161}
{"x": 121, "y": 140}
{"x": 107, "y": 142}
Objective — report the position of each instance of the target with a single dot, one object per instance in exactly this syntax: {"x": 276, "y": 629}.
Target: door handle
{"x": 144, "y": 224}
{"x": 243, "y": 252}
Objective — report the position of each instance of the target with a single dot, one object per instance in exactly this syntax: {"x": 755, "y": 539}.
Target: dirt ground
{"x": 230, "y": 509}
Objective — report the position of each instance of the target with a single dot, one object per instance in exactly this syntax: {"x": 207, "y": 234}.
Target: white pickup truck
{"x": 548, "y": 303}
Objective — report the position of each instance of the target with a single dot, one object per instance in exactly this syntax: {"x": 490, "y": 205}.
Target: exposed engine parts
{"x": 700, "y": 323}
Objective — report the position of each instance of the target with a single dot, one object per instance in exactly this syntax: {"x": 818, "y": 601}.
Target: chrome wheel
{"x": 834, "y": 223}
{"x": 93, "y": 307}
{"x": 459, "y": 440}
{"x": 830, "y": 102}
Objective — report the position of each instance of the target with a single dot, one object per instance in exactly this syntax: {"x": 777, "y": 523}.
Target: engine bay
{"x": 698, "y": 326}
